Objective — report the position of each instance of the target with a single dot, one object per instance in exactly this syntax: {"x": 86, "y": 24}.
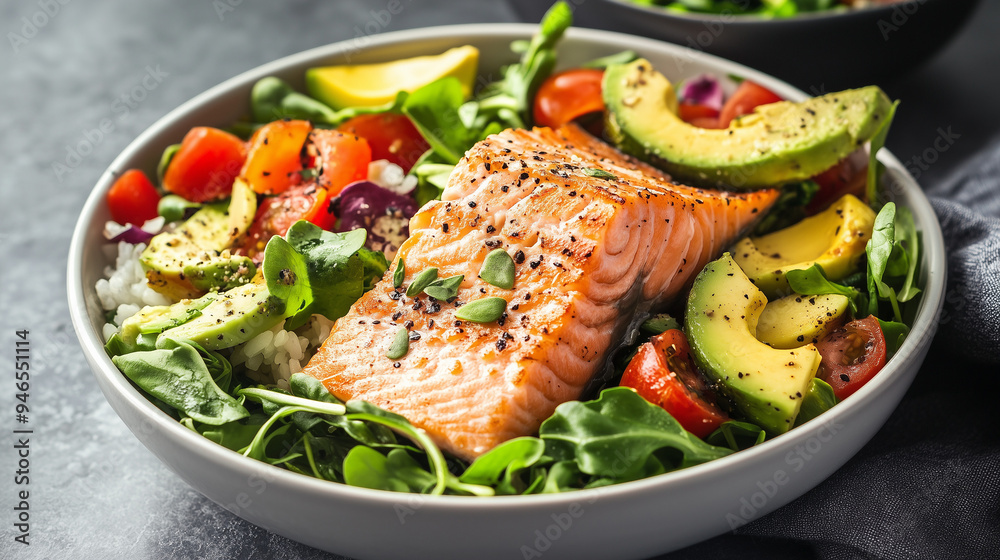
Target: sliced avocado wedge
{"x": 835, "y": 239}
{"x": 766, "y": 385}
{"x": 194, "y": 258}
{"x": 153, "y": 320}
{"x": 362, "y": 85}
{"x": 778, "y": 143}
{"x": 232, "y": 318}
{"x": 795, "y": 320}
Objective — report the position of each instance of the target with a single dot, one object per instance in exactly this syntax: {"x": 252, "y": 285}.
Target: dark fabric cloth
{"x": 928, "y": 485}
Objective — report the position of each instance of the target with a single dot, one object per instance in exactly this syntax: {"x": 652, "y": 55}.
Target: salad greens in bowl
{"x": 201, "y": 304}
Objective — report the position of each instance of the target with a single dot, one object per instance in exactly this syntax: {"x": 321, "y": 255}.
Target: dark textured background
{"x": 97, "y": 493}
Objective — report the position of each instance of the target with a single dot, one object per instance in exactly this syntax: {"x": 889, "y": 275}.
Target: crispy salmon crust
{"x": 599, "y": 240}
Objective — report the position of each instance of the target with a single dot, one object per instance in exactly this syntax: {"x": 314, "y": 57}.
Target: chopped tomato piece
{"x": 132, "y": 198}
{"x": 568, "y": 95}
{"x": 851, "y": 355}
{"x": 689, "y": 111}
{"x": 343, "y": 157}
{"x": 391, "y": 136}
{"x": 274, "y": 162}
{"x": 848, "y": 176}
{"x": 662, "y": 373}
{"x": 206, "y": 164}
{"x": 744, "y": 100}
{"x": 275, "y": 214}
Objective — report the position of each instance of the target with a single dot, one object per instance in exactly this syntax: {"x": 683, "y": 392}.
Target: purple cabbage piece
{"x": 129, "y": 233}
{"x": 385, "y": 214}
{"x": 703, "y": 90}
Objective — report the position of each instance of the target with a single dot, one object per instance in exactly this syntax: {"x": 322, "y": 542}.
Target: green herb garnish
{"x": 400, "y": 345}
{"x": 421, "y": 281}
{"x": 498, "y": 269}
{"x": 599, "y": 173}
{"x": 399, "y": 274}
{"x": 446, "y": 288}
{"x": 484, "y": 310}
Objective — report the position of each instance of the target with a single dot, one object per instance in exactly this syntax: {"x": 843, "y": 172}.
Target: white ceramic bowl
{"x": 631, "y": 520}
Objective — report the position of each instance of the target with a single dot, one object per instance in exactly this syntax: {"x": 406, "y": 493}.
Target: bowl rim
{"x": 752, "y": 19}
{"x": 92, "y": 344}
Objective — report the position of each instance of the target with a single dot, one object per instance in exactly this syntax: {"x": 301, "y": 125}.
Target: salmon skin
{"x": 599, "y": 241}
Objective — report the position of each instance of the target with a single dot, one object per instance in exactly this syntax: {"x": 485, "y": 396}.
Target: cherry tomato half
{"x": 568, "y": 95}
{"x": 701, "y": 116}
{"x": 132, "y": 198}
{"x": 274, "y": 161}
{"x": 275, "y": 214}
{"x": 391, "y": 136}
{"x": 848, "y": 176}
{"x": 344, "y": 158}
{"x": 662, "y": 373}
{"x": 851, "y": 355}
{"x": 205, "y": 166}
{"x": 744, "y": 100}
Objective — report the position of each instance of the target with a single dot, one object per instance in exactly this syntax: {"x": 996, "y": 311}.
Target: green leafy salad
{"x": 243, "y": 272}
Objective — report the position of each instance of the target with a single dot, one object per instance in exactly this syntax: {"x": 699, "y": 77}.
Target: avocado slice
{"x": 232, "y": 318}
{"x": 153, "y": 320}
{"x": 778, "y": 143}
{"x": 363, "y": 85}
{"x": 194, "y": 258}
{"x": 835, "y": 239}
{"x": 795, "y": 320}
{"x": 766, "y": 385}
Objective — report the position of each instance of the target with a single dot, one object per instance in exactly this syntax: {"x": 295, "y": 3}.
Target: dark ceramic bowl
{"x": 818, "y": 52}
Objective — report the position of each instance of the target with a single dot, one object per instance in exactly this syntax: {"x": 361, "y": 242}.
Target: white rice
{"x": 273, "y": 356}
{"x": 124, "y": 288}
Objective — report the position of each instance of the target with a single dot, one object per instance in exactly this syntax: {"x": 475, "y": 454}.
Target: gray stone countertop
{"x": 96, "y": 491}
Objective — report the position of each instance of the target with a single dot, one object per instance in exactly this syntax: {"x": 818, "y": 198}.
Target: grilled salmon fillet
{"x": 599, "y": 241}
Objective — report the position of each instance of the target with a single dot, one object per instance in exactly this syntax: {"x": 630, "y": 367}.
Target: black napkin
{"x": 928, "y": 484}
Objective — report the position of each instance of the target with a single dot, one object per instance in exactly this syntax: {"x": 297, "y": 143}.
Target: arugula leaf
{"x": 659, "y": 324}
{"x": 175, "y": 373}
{"x": 619, "y": 432}
{"x": 563, "y": 477}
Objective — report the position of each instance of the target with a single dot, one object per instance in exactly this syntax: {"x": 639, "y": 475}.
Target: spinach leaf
{"x": 235, "y": 435}
{"x": 874, "y": 167}
{"x": 176, "y": 373}
{"x": 895, "y": 333}
{"x": 879, "y": 249}
{"x": 737, "y": 435}
{"x": 434, "y": 110}
{"x": 817, "y": 400}
{"x": 789, "y": 209}
{"x": 500, "y": 466}
{"x": 812, "y": 281}
{"x": 619, "y": 432}
{"x": 273, "y": 98}
{"x": 603, "y": 62}
{"x": 317, "y": 271}
{"x": 909, "y": 239}
{"x": 367, "y": 468}
{"x": 563, "y": 476}
{"x": 659, "y": 324}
